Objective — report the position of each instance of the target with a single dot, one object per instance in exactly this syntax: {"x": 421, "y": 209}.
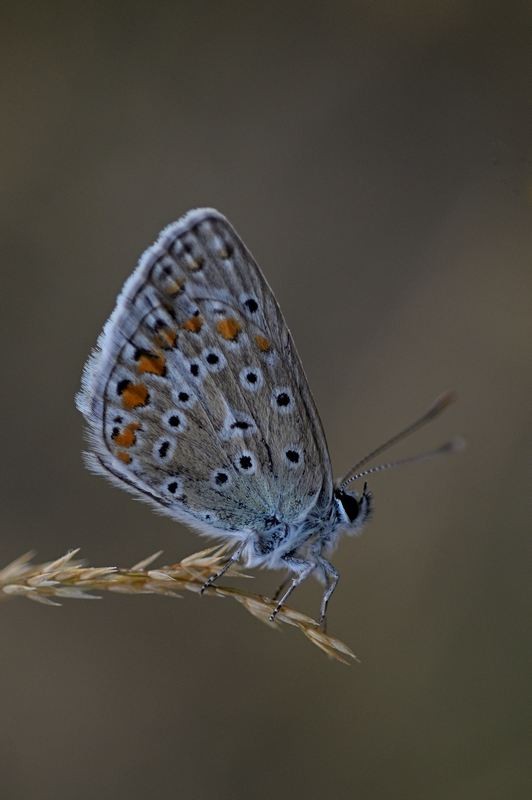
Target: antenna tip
{"x": 459, "y": 444}
{"x": 455, "y": 445}
{"x": 441, "y": 403}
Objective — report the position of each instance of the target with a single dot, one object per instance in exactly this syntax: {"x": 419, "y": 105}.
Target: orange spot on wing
{"x": 126, "y": 437}
{"x": 173, "y": 288}
{"x": 136, "y": 394}
{"x": 193, "y": 324}
{"x": 263, "y": 343}
{"x": 123, "y": 456}
{"x": 155, "y": 364}
{"x": 166, "y": 337}
{"x": 229, "y": 328}
{"x": 195, "y": 263}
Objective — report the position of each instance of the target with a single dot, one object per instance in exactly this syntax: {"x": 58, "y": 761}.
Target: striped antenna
{"x": 439, "y": 405}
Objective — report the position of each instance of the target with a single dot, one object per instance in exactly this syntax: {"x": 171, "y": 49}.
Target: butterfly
{"x": 196, "y": 400}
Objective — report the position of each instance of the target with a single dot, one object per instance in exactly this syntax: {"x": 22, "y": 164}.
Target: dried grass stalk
{"x": 67, "y": 577}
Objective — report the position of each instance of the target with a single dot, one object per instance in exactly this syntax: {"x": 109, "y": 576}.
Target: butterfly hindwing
{"x": 195, "y": 396}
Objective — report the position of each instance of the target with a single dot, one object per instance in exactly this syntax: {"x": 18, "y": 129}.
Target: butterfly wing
{"x": 195, "y": 397}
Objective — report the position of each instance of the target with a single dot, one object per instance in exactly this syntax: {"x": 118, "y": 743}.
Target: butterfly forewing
{"x": 196, "y": 397}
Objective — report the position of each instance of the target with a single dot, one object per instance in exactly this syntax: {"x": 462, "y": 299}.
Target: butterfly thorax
{"x": 318, "y": 533}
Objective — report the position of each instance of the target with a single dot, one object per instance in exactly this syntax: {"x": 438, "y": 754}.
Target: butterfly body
{"x": 196, "y": 400}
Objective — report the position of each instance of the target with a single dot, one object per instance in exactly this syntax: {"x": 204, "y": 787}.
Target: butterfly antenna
{"x": 439, "y": 405}
{"x": 452, "y": 446}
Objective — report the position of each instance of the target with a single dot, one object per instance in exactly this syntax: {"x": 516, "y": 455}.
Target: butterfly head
{"x": 353, "y": 510}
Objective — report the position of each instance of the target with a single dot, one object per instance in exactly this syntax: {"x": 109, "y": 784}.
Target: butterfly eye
{"x": 349, "y": 505}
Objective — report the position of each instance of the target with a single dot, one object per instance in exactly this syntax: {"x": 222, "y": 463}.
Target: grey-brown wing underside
{"x": 195, "y": 396}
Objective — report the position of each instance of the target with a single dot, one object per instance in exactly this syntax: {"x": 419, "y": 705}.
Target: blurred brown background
{"x": 374, "y": 156}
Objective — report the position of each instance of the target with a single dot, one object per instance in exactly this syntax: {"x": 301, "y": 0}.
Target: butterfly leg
{"x": 332, "y": 576}
{"x": 235, "y": 556}
{"x": 302, "y": 569}
{"x": 281, "y": 588}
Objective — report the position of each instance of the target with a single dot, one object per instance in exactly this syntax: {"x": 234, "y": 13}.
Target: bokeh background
{"x": 375, "y": 157}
